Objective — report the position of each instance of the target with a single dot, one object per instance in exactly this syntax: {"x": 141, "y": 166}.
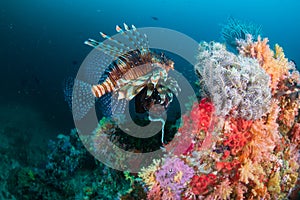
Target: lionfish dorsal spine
{"x": 123, "y": 46}
{"x": 106, "y": 48}
{"x": 126, "y": 34}
{"x": 142, "y": 41}
{"x": 135, "y": 38}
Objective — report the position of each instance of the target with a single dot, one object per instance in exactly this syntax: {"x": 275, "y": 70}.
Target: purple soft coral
{"x": 174, "y": 175}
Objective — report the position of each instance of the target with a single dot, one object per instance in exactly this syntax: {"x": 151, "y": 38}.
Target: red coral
{"x": 229, "y": 168}
{"x": 295, "y": 134}
{"x": 199, "y": 120}
{"x": 201, "y": 115}
{"x": 238, "y": 135}
{"x": 203, "y": 183}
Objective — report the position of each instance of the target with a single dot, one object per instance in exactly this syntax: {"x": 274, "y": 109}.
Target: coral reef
{"x": 249, "y": 119}
{"x": 241, "y": 140}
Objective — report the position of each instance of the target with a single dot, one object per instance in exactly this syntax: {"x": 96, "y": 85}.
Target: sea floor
{"x": 24, "y": 134}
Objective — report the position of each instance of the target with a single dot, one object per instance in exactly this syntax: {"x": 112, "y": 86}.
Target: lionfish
{"x": 133, "y": 71}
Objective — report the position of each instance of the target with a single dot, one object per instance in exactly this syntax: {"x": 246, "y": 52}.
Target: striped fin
{"x": 127, "y": 36}
{"x": 124, "y": 47}
{"x": 141, "y": 39}
{"x": 68, "y": 90}
{"x": 105, "y": 104}
{"x": 111, "y": 105}
{"x": 82, "y": 99}
{"x": 94, "y": 69}
{"x": 109, "y": 49}
{"x": 118, "y": 106}
{"x": 134, "y": 37}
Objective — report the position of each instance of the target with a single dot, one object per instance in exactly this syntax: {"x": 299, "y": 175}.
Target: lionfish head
{"x": 163, "y": 62}
{"x": 169, "y": 65}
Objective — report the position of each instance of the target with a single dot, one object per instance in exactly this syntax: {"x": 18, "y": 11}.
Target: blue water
{"x": 42, "y": 40}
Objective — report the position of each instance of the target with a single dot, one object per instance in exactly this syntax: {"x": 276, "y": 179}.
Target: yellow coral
{"x": 251, "y": 171}
{"x": 289, "y": 111}
{"x": 224, "y": 190}
{"x": 274, "y": 183}
{"x": 280, "y": 57}
{"x": 148, "y": 174}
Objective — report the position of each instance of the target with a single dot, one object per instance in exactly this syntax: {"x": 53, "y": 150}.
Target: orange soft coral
{"x": 264, "y": 133}
{"x": 275, "y": 64}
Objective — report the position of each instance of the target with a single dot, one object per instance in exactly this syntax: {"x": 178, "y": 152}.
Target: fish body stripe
{"x": 103, "y": 88}
{"x": 129, "y": 66}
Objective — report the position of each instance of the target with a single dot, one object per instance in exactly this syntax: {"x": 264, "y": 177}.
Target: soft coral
{"x": 237, "y": 135}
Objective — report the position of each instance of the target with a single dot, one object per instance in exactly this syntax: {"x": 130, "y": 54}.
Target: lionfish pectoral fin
{"x": 139, "y": 89}
{"x": 118, "y": 107}
{"x": 154, "y": 80}
{"x": 121, "y": 95}
{"x": 163, "y": 98}
{"x": 111, "y": 105}
{"x": 149, "y": 93}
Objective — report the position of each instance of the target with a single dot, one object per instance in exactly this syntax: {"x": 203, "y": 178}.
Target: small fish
{"x": 154, "y": 18}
